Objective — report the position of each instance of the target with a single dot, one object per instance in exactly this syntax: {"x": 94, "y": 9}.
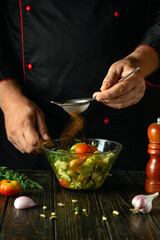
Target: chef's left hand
{"x": 126, "y": 93}
{"x": 132, "y": 89}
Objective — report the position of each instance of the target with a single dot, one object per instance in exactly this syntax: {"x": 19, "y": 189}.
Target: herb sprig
{"x": 75, "y": 209}
{"x": 25, "y": 182}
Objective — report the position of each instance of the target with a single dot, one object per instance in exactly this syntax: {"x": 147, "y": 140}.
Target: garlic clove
{"x": 24, "y": 202}
{"x": 143, "y": 203}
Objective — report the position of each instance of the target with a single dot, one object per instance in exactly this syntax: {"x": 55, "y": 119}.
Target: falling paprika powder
{"x": 72, "y": 129}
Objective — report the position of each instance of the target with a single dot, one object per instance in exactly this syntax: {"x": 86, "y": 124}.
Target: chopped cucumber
{"x": 109, "y": 157}
{"x": 97, "y": 176}
{"x": 82, "y": 177}
{"x": 61, "y": 164}
{"x": 64, "y": 176}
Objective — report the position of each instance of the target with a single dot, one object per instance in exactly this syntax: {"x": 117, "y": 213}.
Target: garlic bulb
{"x": 143, "y": 203}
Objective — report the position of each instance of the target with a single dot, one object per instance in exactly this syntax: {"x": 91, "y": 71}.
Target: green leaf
{"x": 25, "y": 182}
{"x": 75, "y": 209}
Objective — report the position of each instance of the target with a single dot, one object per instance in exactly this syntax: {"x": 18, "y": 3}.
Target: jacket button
{"x": 106, "y": 121}
{"x": 116, "y": 14}
{"x": 28, "y": 8}
{"x": 30, "y": 66}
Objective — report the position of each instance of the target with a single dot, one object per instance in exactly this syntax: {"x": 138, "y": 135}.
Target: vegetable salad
{"x": 83, "y": 166}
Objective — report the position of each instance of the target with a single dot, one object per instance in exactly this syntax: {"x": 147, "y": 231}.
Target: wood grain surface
{"x": 116, "y": 194}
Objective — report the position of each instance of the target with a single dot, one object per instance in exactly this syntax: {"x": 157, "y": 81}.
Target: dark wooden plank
{"x": 82, "y": 226}
{"x": 155, "y": 213}
{"x": 27, "y": 224}
{"x": 3, "y": 205}
{"x": 117, "y": 194}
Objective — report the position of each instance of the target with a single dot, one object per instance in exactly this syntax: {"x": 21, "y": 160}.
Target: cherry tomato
{"x": 83, "y": 148}
{"x": 9, "y": 188}
{"x": 64, "y": 183}
{"x": 93, "y": 148}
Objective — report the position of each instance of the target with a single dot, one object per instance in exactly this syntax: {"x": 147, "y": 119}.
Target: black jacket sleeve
{"x": 152, "y": 35}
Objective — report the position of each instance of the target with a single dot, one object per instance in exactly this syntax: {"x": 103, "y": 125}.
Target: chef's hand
{"x": 125, "y": 93}
{"x": 24, "y": 122}
{"x": 132, "y": 89}
{"x": 25, "y": 126}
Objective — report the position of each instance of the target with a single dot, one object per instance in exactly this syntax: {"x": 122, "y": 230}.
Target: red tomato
{"x": 9, "y": 188}
{"x": 93, "y": 148}
{"x": 82, "y": 148}
{"x": 82, "y": 156}
{"x": 64, "y": 183}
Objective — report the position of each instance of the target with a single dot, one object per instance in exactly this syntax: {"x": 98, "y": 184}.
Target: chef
{"x": 58, "y": 50}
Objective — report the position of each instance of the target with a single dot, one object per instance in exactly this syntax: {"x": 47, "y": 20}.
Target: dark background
{"x": 152, "y": 99}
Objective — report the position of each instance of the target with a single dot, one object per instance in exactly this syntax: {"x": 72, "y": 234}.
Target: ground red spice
{"x": 72, "y": 129}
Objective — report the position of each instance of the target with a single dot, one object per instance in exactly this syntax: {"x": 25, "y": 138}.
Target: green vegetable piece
{"x": 109, "y": 157}
{"x": 75, "y": 209}
{"x": 61, "y": 164}
{"x": 83, "y": 177}
{"x": 73, "y": 147}
{"x": 96, "y": 176}
{"x": 71, "y": 173}
{"x": 89, "y": 184}
{"x": 85, "y": 169}
{"x": 64, "y": 176}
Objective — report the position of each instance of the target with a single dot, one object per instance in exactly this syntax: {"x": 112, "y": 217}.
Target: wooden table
{"x": 116, "y": 194}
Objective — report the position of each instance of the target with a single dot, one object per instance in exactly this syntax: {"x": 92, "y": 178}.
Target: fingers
{"x": 14, "y": 136}
{"x": 36, "y": 133}
{"x": 113, "y": 75}
{"x": 18, "y": 145}
{"x": 26, "y": 128}
{"x": 115, "y": 91}
{"x": 124, "y": 100}
{"x": 26, "y": 140}
{"x": 41, "y": 126}
{"x": 31, "y": 138}
{"x": 123, "y": 94}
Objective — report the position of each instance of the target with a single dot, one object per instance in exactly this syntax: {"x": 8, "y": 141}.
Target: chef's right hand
{"x": 24, "y": 122}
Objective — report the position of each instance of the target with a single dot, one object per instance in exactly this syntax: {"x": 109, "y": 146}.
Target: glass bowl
{"x": 81, "y": 170}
